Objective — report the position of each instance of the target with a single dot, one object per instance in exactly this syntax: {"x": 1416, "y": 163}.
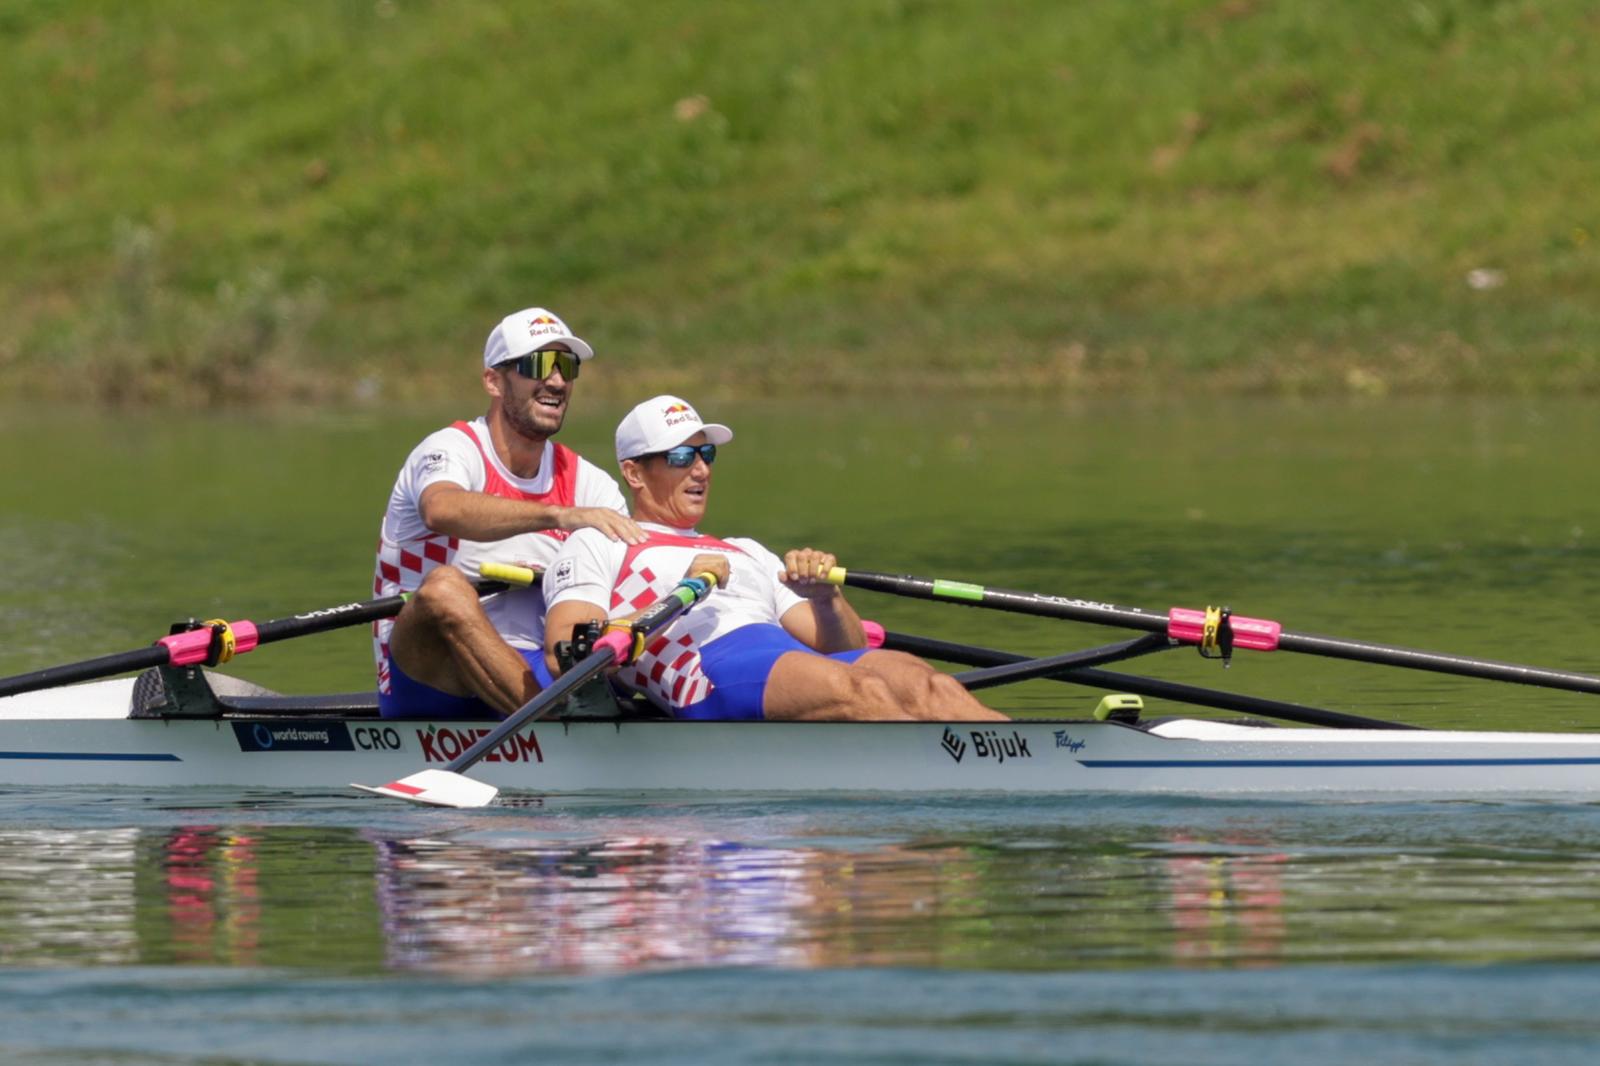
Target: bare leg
{"x": 804, "y": 687}
{"x": 443, "y": 639}
{"x": 924, "y": 692}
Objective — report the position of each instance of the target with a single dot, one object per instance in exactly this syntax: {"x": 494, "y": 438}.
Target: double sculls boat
{"x": 178, "y": 727}
{"x": 179, "y": 723}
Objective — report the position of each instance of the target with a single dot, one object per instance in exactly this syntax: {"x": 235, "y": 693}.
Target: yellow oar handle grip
{"x": 510, "y": 573}
{"x": 709, "y": 578}
{"x": 836, "y": 576}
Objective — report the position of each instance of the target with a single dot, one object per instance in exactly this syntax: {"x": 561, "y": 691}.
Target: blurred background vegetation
{"x": 239, "y": 203}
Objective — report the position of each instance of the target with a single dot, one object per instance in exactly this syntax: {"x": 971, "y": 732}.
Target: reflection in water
{"x": 516, "y": 894}
{"x": 212, "y": 897}
{"x": 67, "y": 895}
{"x": 625, "y": 903}
{"x": 1226, "y": 906}
{"x": 197, "y": 894}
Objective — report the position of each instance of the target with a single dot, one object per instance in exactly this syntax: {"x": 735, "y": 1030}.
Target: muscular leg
{"x": 443, "y": 639}
{"x": 924, "y": 692}
{"x": 804, "y": 687}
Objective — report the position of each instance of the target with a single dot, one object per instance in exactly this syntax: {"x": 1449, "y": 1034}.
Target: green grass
{"x": 238, "y": 202}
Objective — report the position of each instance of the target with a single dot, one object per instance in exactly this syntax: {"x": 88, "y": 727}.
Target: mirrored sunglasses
{"x": 683, "y": 455}
{"x": 538, "y": 365}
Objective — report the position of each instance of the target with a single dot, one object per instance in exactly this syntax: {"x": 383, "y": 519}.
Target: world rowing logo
{"x": 292, "y": 736}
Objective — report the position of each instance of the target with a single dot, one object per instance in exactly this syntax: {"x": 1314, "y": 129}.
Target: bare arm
{"x": 826, "y": 621}
{"x": 561, "y": 621}
{"x": 448, "y": 508}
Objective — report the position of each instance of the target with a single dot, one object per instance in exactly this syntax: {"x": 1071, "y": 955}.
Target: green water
{"x": 1466, "y": 527}
{"x": 198, "y": 925}
{"x": 210, "y": 926}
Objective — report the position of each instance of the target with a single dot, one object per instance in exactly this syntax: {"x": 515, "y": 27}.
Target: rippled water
{"x": 318, "y": 929}
{"x": 223, "y": 927}
{"x": 603, "y": 885}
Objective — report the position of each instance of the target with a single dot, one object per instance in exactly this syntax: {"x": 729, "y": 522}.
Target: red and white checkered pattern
{"x": 401, "y": 568}
{"x": 669, "y": 672}
{"x": 637, "y": 589}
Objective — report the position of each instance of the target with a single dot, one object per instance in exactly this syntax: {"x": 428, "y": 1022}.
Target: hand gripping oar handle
{"x": 621, "y": 643}
{"x": 1186, "y": 626}
{"x": 214, "y": 642}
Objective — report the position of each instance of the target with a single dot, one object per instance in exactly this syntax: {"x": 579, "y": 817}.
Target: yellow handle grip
{"x": 836, "y": 576}
{"x": 510, "y": 573}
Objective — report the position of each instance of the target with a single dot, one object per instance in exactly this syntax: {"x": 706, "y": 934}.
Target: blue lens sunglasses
{"x": 683, "y": 455}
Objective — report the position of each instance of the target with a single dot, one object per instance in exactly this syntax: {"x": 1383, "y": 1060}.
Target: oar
{"x": 217, "y": 641}
{"x": 619, "y": 644}
{"x": 1106, "y": 680}
{"x": 1187, "y": 626}
{"x": 1023, "y": 669}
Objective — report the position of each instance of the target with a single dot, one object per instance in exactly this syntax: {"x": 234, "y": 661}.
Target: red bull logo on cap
{"x": 679, "y": 412}
{"x": 543, "y": 324}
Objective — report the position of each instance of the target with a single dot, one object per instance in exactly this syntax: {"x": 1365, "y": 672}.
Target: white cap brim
{"x": 580, "y": 348}
{"x": 716, "y": 433}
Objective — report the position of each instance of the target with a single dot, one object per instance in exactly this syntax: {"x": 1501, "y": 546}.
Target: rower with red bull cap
{"x": 775, "y": 639}
{"x": 496, "y": 489}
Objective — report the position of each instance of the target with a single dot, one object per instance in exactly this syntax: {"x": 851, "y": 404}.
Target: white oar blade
{"x": 436, "y": 788}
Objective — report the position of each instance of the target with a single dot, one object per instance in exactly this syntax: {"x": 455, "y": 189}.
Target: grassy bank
{"x": 241, "y": 202}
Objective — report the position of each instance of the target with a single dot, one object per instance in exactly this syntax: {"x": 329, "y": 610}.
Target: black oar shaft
{"x": 1437, "y": 662}
{"x": 350, "y": 614}
{"x": 1133, "y": 618}
{"x": 1021, "y": 669}
{"x": 1007, "y": 600}
{"x": 970, "y": 655}
{"x": 158, "y": 654}
{"x": 88, "y": 670}
{"x": 684, "y": 595}
{"x": 597, "y": 661}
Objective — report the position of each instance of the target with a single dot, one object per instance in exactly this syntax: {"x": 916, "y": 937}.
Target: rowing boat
{"x": 180, "y": 724}
{"x": 176, "y": 727}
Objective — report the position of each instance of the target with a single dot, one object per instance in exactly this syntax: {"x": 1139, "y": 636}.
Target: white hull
{"x": 81, "y": 736}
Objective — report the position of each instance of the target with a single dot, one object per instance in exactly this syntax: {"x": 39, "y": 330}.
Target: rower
{"x": 775, "y": 640}
{"x": 497, "y": 489}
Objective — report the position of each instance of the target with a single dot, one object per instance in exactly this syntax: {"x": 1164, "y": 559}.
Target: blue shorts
{"x": 738, "y": 665}
{"x": 409, "y": 698}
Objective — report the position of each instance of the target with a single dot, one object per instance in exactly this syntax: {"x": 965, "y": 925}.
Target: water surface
{"x": 1468, "y": 527}
{"x": 748, "y": 929}
{"x": 226, "y": 926}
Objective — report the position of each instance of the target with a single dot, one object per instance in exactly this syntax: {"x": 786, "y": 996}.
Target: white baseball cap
{"x": 663, "y": 422}
{"x": 527, "y": 331}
